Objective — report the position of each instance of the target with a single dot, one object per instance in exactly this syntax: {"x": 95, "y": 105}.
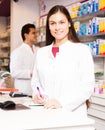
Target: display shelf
{"x": 5, "y": 45}
{"x": 99, "y": 56}
{"x": 93, "y": 35}
{"x": 4, "y": 50}
{"x": 89, "y": 16}
{"x": 4, "y": 35}
{"x": 96, "y": 110}
{"x": 40, "y": 44}
{"x": 41, "y": 36}
{"x": 41, "y": 27}
{"x": 92, "y": 38}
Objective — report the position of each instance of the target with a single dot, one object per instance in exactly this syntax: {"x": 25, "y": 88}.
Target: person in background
{"x": 22, "y": 59}
{"x": 63, "y": 75}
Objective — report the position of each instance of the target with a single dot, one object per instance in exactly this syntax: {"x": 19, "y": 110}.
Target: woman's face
{"x": 59, "y": 26}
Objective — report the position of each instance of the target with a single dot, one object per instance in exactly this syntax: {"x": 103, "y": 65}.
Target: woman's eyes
{"x": 62, "y": 22}
{"x": 53, "y": 23}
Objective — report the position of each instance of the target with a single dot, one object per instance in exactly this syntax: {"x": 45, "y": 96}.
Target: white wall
{"x": 50, "y": 3}
{"x": 22, "y": 12}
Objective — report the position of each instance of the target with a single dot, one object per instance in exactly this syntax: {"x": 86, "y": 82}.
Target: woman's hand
{"x": 40, "y": 100}
{"x": 52, "y": 104}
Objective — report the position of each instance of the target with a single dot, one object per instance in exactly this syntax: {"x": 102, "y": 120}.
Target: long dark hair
{"x": 72, "y": 33}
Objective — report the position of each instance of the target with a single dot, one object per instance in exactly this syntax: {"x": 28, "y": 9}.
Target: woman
{"x": 64, "y": 70}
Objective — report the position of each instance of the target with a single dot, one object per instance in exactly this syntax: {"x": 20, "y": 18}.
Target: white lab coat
{"x": 69, "y": 77}
{"x": 21, "y": 66}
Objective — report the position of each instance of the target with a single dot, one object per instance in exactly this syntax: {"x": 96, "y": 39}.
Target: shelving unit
{"x": 90, "y": 16}
{"x": 97, "y": 101}
{"x": 97, "y": 110}
{"x": 92, "y": 37}
{"x": 41, "y": 32}
{"x": 5, "y": 48}
{"x": 41, "y": 36}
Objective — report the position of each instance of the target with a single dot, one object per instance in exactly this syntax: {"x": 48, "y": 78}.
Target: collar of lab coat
{"x": 61, "y": 47}
{"x": 25, "y": 44}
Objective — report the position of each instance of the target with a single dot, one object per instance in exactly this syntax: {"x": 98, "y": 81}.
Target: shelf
{"x": 4, "y": 55}
{"x": 4, "y": 45}
{"x": 92, "y": 35}
{"x": 99, "y": 95}
{"x": 89, "y": 16}
{"x": 41, "y": 43}
{"x": 4, "y": 65}
{"x": 86, "y": 18}
{"x": 97, "y": 56}
{"x": 99, "y": 60}
{"x": 41, "y": 27}
{"x": 4, "y": 35}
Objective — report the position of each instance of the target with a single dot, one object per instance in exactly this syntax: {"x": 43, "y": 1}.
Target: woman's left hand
{"x": 52, "y": 104}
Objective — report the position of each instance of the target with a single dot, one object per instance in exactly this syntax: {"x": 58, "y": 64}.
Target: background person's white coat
{"x": 21, "y": 65}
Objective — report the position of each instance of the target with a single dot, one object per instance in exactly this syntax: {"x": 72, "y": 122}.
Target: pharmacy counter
{"x": 39, "y": 118}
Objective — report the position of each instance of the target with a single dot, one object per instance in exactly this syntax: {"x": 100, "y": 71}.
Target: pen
{"x": 39, "y": 92}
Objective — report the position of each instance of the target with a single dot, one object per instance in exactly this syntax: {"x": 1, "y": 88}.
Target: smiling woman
{"x": 5, "y": 8}
{"x": 63, "y": 79}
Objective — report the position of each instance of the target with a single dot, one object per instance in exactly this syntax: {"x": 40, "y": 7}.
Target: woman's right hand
{"x": 40, "y": 100}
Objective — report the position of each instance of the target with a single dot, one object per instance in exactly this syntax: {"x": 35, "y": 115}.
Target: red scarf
{"x": 55, "y": 50}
